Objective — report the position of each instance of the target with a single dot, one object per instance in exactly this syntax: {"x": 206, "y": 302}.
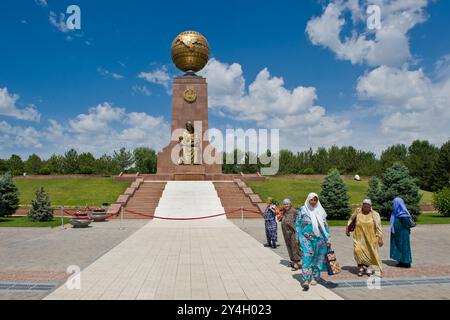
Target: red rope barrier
{"x": 77, "y": 215}
{"x": 253, "y": 211}
{"x": 180, "y": 219}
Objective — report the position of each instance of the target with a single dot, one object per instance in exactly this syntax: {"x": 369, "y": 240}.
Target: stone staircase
{"x": 189, "y": 199}
{"x": 145, "y": 200}
{"x": 232, "y": 197}
{"x": 165, "y": 198}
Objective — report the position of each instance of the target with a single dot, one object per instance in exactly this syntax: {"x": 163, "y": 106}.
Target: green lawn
{"x": 23, "y": 222}
{"x": 72, "y": 192}
{"x": 297, "y": 189}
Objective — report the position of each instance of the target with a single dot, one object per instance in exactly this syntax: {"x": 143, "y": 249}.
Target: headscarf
{"x": 367, "y": 201}
{"x": 400, "y": 211}
{"x": 287, "y": 201}
{"x": 317, "y": 214}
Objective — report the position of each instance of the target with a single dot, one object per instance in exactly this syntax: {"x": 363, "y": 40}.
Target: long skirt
{"x": 314, "y": 251}
{"x": 400, "y": 241}
{"x": 291, "y": 242}
{"x": 271, "y": 231}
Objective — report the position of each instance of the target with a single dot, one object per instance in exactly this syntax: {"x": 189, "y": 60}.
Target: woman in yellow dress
{"x": 365, "y": 223}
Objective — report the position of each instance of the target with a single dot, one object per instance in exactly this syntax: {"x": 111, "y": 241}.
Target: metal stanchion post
{"x": 121, "y": 218}
{"x": 62, "y": 217}
{"x": 242, "y": 216}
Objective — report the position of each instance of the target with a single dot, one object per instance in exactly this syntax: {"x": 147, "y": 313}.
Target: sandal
{"x": 295, "y": 267}
{"x": 361, "y": 272}
{"x": 305, "y": 286}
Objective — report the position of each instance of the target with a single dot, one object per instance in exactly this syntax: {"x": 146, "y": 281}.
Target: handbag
{"x": 352, "y": 226}
{"x": 332, "y": 265}
{"x": 413, "y": 223}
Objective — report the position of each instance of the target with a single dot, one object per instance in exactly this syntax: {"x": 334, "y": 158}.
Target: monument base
{"x": 183, "y": 111}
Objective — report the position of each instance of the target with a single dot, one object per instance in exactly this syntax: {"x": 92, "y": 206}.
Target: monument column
{"x": 190, "y": 53}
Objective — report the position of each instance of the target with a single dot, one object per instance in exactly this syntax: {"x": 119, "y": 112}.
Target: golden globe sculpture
{"x": 190, "y": 51}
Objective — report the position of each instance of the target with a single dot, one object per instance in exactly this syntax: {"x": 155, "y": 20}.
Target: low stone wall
{"x": 63, "y": 176}
{"x": 23, "y": 211}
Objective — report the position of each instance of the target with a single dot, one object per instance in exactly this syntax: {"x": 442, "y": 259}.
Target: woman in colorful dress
{"x": 401, "y": 223}
{"x": 313, "y": 235}
{"x": 289, "y": 216}
{"x": 270, "y": 223}
{"x": 367, "y": 236}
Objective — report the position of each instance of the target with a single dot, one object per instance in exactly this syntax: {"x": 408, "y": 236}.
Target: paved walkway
{"x": 429, "y": 243}
{"x": 202, "y": 259}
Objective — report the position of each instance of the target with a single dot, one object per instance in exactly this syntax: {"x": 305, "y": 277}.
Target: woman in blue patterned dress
{"x": 313, "y": 235}
{"x": 401, "y": 224}
{"x": 270, "y": 222}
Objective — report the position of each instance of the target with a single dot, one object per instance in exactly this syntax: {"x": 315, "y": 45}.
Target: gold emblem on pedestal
{"x": 190, "y": 96}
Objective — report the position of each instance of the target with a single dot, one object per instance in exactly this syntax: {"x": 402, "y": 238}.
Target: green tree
{"x": 106, "y": 165}
{"x": 70, "y": 163}
{"x": 87, "y": 163}
{"x": 33, "y": 164}
{"x": 441, "y": 201}
{"x": 9, "y": 195}
{"x": 320, "y": 161}
{"x": 55, "y": 164}
{"x": 397, "y": 182}
{"x": 124, "y": 159}
{"x": 393, "y": 154}
{"x": 249, "y": 165}
{"x": 373, "y": 192}
{"x": 421, "y": 157}
{"x": 145, "y": 160}
{"x": 368, "y": 164}
{"x": 15, "y": 165}
{"x": 334, "y": 196}
{"x": 236, "y": 158}
{"x": 441, "y": 171}
{"x": 41, "y": 209}
{"x": 288, "y": 162}
{"x": 3, "y": 166}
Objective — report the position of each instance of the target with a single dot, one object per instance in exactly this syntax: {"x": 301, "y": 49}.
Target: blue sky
{"x": 108, "y": 84}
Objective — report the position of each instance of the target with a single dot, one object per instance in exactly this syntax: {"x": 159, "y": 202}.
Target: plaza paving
{"x": 201, "y": 259}
{"x": 210, "y": 259}
{"x": 42, "y": 255}
{"x": 429, "y": 243}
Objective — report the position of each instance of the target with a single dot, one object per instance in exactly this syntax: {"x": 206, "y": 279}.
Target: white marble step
{"x": 189, "y": 199}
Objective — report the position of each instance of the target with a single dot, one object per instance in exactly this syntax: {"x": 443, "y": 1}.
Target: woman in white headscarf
{"x": 365, "y": 223}
{"x": 313, "y": 235}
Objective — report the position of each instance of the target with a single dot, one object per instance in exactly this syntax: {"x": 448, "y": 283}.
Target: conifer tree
{"x": 41, "y": 208}
{"x": 9, "y": 195}
{"x": 334, "y": 197}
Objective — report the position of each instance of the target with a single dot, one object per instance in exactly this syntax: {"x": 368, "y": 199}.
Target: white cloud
{"x": 140, "y": 90}
{"x": 411, "y": 105}
{"x": 41, "y": 3}
{"x": 106, "y": 128}
{"x": 101, "y": 130}
{"x": 98, "y": 118}
{"x": 159, "y": 76}
{"x": 9, "y": 108}
{"x": 16, "y": 136}
{"x": 270, "y": 105}
{"x": 442, "y": 68}
{"x": 59, "y": 22}
{"x": 386, "y": 46}
{"x": 105, "y": 73}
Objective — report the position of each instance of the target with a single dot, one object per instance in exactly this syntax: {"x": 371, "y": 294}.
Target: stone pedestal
{"x": 182, "y": 112}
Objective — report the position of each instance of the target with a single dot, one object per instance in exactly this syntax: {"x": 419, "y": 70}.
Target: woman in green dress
{"x": 401, "y": 223}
